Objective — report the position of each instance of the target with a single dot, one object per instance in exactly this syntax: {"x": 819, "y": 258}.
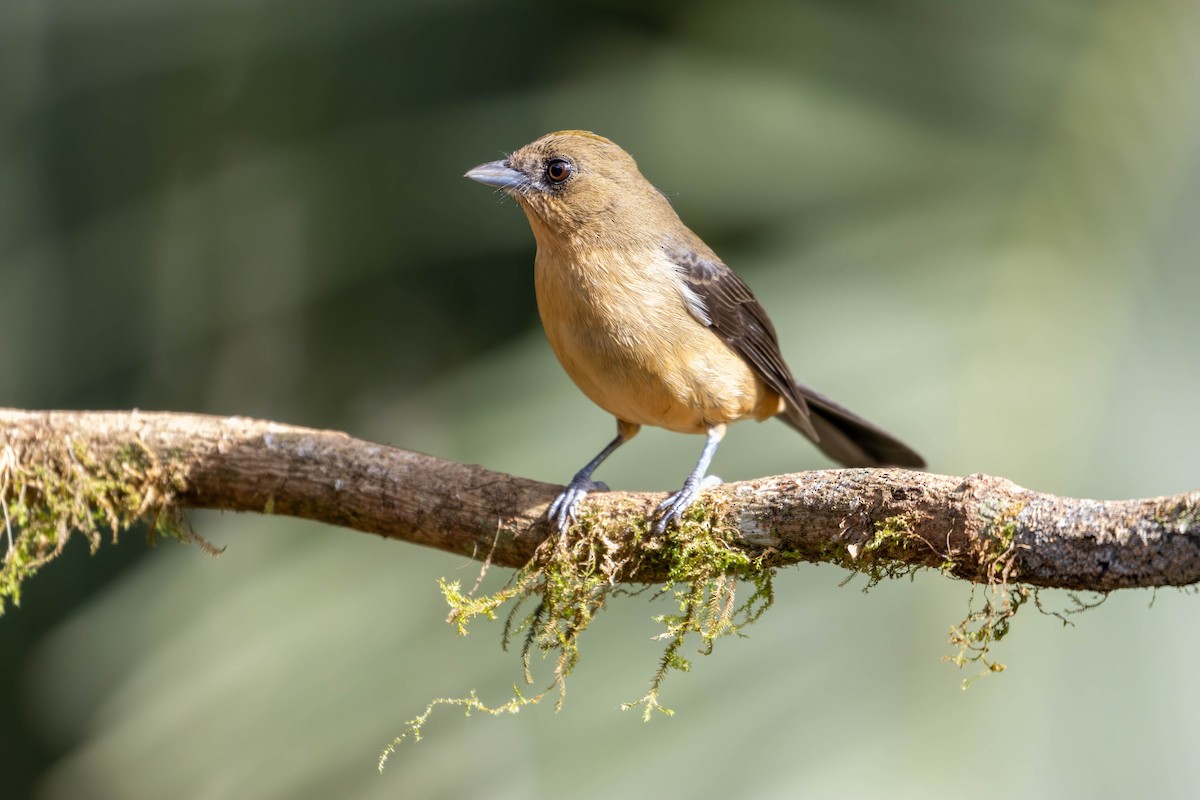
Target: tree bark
{"x": 969, "y": 527}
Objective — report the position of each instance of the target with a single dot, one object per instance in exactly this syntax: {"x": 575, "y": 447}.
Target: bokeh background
{"x": 973, "y": 222}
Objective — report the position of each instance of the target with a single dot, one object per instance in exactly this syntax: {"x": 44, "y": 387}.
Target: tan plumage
{"x": 634, "y": 349}
{"x": 648, "y": 322}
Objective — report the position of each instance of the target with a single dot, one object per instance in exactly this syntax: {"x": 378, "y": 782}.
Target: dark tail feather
{"x": 848, "y": 438}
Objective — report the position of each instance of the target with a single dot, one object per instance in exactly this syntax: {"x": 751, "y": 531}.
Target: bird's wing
{"x": 729, "y": 309}
{"x": 722, "y": 302}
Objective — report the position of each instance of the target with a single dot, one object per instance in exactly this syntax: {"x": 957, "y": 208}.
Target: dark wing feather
{"x": 734, "y": 314}
{"x": 731, "y": 311}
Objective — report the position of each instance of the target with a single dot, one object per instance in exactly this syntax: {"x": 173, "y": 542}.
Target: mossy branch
{"x": 65, "y": 474}
{"x": 63, "y": 471}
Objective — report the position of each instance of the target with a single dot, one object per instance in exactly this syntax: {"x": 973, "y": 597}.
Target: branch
{"x": 67, "y": 470}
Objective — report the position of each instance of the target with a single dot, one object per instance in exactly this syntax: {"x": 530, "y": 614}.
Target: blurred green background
{"x": 973, "y": 222}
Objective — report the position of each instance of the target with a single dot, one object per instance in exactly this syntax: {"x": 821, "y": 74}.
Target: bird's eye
{"x": 558, "y": 170}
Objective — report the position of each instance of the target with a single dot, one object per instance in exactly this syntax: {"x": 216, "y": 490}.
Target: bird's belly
{"x": 657, "y": 367}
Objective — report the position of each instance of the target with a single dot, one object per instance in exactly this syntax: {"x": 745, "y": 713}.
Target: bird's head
{"x": 570, "y": 181}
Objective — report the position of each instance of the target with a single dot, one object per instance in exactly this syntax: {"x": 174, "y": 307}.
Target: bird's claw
{"x": 671, "y": 509}
{"x": 565, "y": 508}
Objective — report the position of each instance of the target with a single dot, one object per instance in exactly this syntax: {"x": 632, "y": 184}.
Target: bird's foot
{"x": 671, "y": 509}
{"x": 565, "y": 508}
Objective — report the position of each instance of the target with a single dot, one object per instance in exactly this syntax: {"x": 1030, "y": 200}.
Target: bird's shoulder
{"x": 731, "y": 307}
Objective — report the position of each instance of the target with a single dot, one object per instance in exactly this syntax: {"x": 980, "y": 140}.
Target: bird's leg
{"x": 565, "y": 508}
{"x": 670, "y": 509}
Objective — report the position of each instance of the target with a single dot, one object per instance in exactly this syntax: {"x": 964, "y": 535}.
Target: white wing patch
{"x": 691, "y": 300}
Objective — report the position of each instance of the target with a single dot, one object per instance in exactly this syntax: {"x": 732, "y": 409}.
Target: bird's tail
{"x": 846, "y": 437}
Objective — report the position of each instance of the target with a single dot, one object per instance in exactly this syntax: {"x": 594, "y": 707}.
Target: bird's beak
{"x": 499, "y": 174}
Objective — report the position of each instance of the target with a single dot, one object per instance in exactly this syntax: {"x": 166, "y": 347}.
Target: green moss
{"x": 703, "y": 576}
{"x": 571, "y": 578}
{"x": 994, "y": 602}
{"x": 72, "y": 492}
{"x": 892, "y": 551}
{"x": 895, "y": 551}
{"x": 469, "y": 704}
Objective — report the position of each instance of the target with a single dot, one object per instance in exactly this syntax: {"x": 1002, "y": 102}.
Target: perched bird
{"x": 650, "y": 324}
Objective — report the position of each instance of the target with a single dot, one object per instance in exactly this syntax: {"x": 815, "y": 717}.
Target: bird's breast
{"x": 619, "y": 325}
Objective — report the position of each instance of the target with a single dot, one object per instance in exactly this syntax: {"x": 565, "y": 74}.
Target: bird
{"x": 651, "y": 325}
